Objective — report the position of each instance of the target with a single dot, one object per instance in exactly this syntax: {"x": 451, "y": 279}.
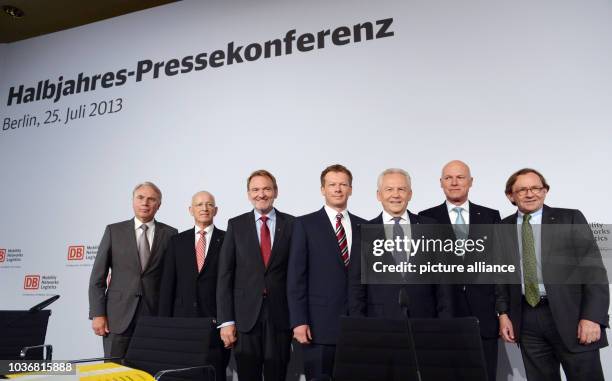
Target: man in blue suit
{"x": 322, "y": 246}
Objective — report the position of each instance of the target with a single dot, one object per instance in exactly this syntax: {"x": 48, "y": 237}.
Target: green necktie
{"x": 530, "y": 275}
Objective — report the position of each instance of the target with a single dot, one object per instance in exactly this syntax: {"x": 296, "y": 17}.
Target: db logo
{"x": 31, "y": 282}
{"x": 2, "y": 255}
{"x": 76, "y": 253}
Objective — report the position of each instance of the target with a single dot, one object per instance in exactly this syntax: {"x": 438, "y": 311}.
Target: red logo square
{"x": 31, "y": 282}
{"x": 76, "y": 253}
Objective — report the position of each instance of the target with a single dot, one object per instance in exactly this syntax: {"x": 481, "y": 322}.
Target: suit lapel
{"x": 279, "y": 233}
{"x": 131, "y": 237}
{"x": 475, "y": 215}
{"x": 442, "y": 214}
{"x": 189, "y": 260}
{"x": 158, "y": 236}
{"x": 330, "y": 233}
{"x": 547, "y": 232}
{"x": 213, "y": 249}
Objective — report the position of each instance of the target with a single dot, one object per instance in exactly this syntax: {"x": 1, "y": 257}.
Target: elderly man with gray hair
{"x": 396, "y": 297}
{"x": 132, "y": 251}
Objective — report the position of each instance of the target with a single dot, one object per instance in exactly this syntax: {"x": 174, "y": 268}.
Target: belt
{"x": 543, "y": 301}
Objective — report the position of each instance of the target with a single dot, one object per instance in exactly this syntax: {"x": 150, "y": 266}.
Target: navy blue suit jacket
{"x": 480, "y": 297}
{"x": 317, "y": 279}
{"x": 382, "y": 300}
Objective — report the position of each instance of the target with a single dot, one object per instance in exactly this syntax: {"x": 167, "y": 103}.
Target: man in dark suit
{"x": 394, "y": 295}
{"x": 558, "y": 309}
{"x": 189, "y": 280}
{"x": 132, "y": 250}
{"x": 323, "y": 243}
{"x": 469, "y": 299}
{"x": 252, "y": 284}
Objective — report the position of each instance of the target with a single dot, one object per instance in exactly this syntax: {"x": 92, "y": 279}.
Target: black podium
{"x": 371, "y": 349}
{"x": 19, "y": 329}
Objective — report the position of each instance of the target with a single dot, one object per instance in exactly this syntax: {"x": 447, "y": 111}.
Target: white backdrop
{"x": 499, "y": 85}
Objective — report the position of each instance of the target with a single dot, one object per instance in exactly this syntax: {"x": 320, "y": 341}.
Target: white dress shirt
{"x": 208, "y": 231}
{"x": 465, "y": 213}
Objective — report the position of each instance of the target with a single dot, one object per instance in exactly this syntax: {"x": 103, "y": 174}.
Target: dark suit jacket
{"x": 382, "y": 300}
{"x": 118, "y": 252}
{"x": 480, "y": 297}
{"x": 185, "y": 292}
{"x": 318, "y": 279}
{"x": 243, "y": 277}
{"x": 568, "y": 302}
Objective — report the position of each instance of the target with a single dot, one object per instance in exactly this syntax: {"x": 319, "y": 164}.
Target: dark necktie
{"x": 265, "y": 240}
{"x": 400, "y": 256}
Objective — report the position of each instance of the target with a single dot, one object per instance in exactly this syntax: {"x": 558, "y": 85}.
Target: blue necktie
{"x": 460, "y": 227}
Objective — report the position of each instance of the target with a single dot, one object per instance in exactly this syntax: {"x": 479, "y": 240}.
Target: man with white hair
{"x": 417, "y": 299}
{"x": 189, "y": 281}
{"x": 132, "y": 251}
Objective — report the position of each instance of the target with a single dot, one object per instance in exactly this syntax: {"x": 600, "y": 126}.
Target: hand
{"x": 99, "y": 325}
{"x": 588, "y": 332}
{"x": 228, "y": 335}
{"x": 506, "y": 331}
{"x": 302, "y": 334}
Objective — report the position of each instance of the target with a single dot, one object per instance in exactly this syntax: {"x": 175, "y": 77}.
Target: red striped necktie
{"x": 341, "y": 237}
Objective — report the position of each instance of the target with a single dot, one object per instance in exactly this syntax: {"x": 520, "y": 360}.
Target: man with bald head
{"x": 468, "y": 299}
{"x": 189, "y": 281}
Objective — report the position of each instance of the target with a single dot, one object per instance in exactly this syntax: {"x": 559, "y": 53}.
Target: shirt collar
{"x": 271, "y": 215}
{"x": 207, "y": 229}
{"x": 450, "y": 206}
{"x": 537, "y": 213}
{"x": 332, "y": 213}
{"x": 137, "y": 223}
{"x": 387, "y": 218}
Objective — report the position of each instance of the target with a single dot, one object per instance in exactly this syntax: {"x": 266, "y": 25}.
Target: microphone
{"x": 40, "y": 306}
{"x": 404, "y": 301}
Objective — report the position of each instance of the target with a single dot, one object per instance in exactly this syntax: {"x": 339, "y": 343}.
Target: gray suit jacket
{"x": 119, "y": 253}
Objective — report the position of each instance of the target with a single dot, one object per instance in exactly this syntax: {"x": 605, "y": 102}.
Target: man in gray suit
{"x": 132, "y": 250}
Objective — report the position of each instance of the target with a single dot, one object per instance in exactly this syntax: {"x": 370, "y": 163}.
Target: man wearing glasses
{"x": 557, "y": 311}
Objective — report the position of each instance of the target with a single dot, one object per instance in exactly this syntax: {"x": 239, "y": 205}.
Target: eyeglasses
{"x": 535, "y": 190}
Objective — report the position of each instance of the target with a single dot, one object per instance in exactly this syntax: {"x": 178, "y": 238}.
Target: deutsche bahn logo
{"x": 2, "y": 255}
{"x": 31, "y": 282}
{"x": 76, "y": 253}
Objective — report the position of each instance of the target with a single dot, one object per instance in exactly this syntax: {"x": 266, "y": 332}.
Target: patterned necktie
{"x": 265, "y": 240}
{"x": 342, "y": 242}
{"x": 399, "y": 255}
{"x": 460, "y": 227}
{"x": 201, "y": 249}
{"x": 144, "y": 250}
{"x": 530, "y": 274}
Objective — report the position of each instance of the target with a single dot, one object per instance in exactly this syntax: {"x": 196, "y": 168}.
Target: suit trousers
{"x": 543, "y": 350}
{"x": 264, "y": 348}
{"x": 318, "y": 361}
{"x": 489, "y": 345}
{"x": 116, "y": 344}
